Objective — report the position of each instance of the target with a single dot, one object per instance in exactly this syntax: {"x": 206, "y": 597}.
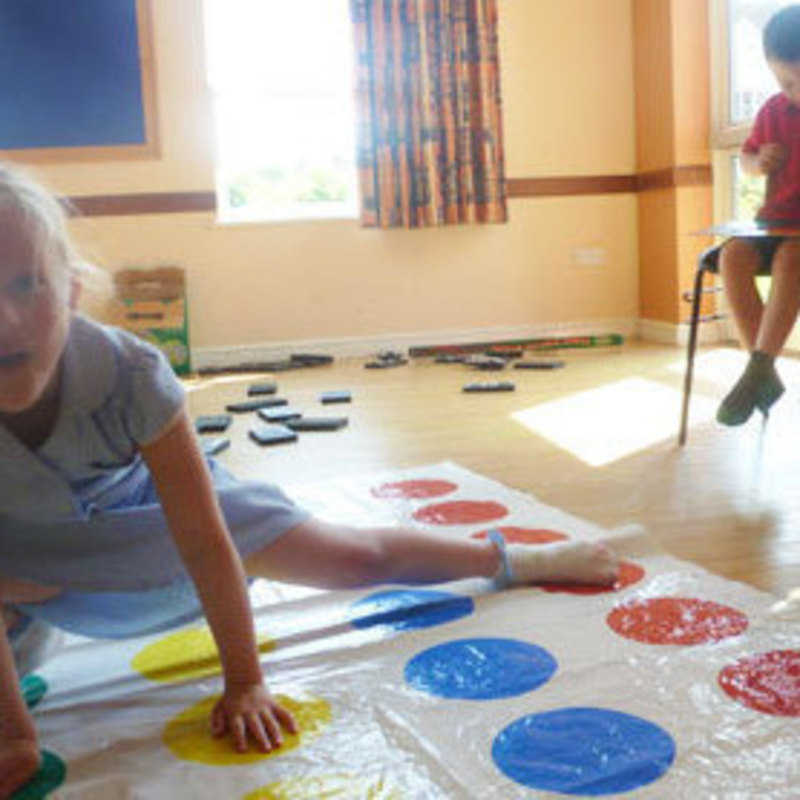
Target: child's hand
{"x": 19, "y": 760}
{"x": 251, "y": 709}
{"x": 771, "y": 157}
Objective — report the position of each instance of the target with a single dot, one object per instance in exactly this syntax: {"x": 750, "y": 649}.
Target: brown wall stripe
{"x": 674, "y": 177}
{"x": 570, "y": 185}
{"x": 161, "y": 203}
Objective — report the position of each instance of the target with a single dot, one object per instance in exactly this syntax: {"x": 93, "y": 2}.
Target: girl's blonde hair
{"x": 45, "y": 219}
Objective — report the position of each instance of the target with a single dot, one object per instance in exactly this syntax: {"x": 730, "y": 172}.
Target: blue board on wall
{"x": 70, "y": 74}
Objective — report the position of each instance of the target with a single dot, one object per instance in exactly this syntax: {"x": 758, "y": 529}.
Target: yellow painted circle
{"x": 185, "y": 654}
{"x": 188, "y": 735}
{"x": 327, "y": 787}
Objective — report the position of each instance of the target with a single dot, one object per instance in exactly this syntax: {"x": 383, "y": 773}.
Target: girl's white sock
{"x": 562, "y": 562}
{"x": 32, "y": 643}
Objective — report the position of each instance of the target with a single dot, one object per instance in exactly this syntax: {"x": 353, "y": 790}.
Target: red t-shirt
{"x": 779, "y": 121}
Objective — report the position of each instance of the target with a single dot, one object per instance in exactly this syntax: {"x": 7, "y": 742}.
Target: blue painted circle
{"x": 480, "y": 669}
{"x": 406, "y": 609}
{"x": 583, "y": 751}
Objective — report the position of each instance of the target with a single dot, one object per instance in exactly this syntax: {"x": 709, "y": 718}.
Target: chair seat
{"x": 709, "y": 259}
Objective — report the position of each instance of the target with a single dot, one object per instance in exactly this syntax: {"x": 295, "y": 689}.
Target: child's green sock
{"x": 759, "y": 387}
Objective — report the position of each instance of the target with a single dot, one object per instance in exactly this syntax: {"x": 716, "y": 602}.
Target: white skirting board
{"x": 651, "y": 330}
{"x": 362, "y": 346}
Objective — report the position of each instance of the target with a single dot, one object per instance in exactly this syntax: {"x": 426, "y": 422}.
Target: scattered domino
{"x": 215, "y": 444}
{"x": 254, "y": 405}
{"x": 278, "y": 414}
{"x": 268, "y": 387}
{"x": 212, "y": 423}
{"x": 340, "y": 396}
{"x": 316, "y": 423}
{"x": 496, "y": 386}
{"x": 539, "y": 364}
{"x": 271, "y": 434}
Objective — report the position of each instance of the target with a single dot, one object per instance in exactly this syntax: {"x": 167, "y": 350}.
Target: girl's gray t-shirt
{"x": 81, "y": 511}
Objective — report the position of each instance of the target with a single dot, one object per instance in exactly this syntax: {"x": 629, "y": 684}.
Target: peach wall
{"x": 671, "y": 56}
{"x": 691, "y": 84}
{"x": 568, "y": 94}
{"x": 567, "y": 87}
{"x": 659, "y": 287}
{"x": 655, "y": 144}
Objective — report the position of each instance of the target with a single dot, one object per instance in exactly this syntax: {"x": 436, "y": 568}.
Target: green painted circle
{"x": 33, "y": 688}
{"x": 48, "y": 777}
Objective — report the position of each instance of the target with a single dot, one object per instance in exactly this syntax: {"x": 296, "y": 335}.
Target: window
{"x": 741, "y": 83}
{"x": 281, "y": 75}
{"x": 751, "y": 80}
{"x": 747, "y": 192}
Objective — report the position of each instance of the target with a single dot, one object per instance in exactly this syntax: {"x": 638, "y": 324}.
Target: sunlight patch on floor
{"x": 602, "y": 425}
{"x": 724, "y": 366}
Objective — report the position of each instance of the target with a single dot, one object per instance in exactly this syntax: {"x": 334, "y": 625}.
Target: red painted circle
{"x": 514, "y": 535}
{"x": 414, "y": 489}
{"x": 676, "y": 620}
{"x": 460, "y": 512}
{"x": 767, "y": 682}
{"x": 629, "y": 573}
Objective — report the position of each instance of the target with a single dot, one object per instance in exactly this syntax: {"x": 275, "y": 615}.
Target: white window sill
{"x": 261, "y": 217}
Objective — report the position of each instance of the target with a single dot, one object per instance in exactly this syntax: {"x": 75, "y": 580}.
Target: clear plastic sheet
{"x": 457, "y": 691}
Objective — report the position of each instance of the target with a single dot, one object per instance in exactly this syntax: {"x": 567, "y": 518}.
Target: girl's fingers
{"x": 256, "y": 728}
{"x": 286, "y": 719}
{"x": 272, "y": 727}
{"x": 238, "y": 733}
{"x": 218, "y": 723}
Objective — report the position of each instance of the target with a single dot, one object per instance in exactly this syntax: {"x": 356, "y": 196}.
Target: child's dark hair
{"x": 782, "y": 35}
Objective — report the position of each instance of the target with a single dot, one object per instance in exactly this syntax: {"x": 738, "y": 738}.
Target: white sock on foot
{"x": 562, "y": 562}
{"x": 33, "y": 641}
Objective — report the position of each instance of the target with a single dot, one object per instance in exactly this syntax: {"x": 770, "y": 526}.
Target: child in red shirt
{"x": 772, "y": 149}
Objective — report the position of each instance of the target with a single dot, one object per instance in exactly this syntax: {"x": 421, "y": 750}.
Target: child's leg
{"x": 738, "y": 263}
{"x": 763, "y": 329}
{"x": 780, "y": 312}
{"x": 339, "y": 557}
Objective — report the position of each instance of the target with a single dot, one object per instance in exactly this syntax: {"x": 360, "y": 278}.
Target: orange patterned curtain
{"x": 430, "y": 135}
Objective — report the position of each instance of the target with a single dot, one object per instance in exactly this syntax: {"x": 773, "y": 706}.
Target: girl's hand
{"x": 771, "y": 157}
{"x": 251, "y": 709}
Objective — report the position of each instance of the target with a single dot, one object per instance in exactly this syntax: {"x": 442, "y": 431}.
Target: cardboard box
{"x": 152, "y": 304}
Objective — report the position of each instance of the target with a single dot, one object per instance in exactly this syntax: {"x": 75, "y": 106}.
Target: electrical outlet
{"x": 589, "y": 256}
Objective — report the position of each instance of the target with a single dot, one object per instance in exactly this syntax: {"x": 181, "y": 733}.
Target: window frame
{"x": 726, "y": 137}
{"x": 724, "y": 134}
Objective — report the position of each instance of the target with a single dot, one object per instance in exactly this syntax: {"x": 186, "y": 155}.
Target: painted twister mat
{"x": 674, "y": 684}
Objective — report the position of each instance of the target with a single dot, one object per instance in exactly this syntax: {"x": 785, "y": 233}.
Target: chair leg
{"x": 690, "y": 350}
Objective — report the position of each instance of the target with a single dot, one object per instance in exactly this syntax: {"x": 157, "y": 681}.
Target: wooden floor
{"x": 597, "y": 439}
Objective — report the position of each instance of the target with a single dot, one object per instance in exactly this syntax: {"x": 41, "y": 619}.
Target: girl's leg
{"x": 327, "y": 556}
{"x": 763, "y": 329}
{"x": 36, "y": 640}
{"x": 13, "y": 590}
{"x": 19, "y": 751}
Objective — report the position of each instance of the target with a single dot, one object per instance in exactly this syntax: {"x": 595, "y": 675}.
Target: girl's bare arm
{"x": 198, "y": 527}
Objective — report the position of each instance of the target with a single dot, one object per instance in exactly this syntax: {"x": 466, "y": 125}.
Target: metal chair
{"x": 707, "y": 263}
